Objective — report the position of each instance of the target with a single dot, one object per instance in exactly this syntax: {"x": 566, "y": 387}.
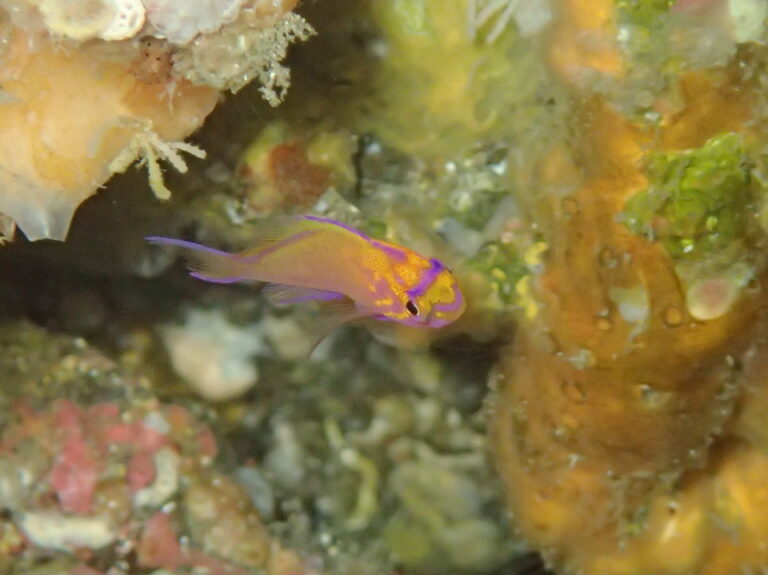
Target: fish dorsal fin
{"x": 279, "y": 294}
{"x": 273, "y": 234}
{"x": 282, "y": 231}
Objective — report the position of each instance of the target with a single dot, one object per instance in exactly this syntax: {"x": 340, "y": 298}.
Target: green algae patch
{"x": 658, "y": 41}
{"x": 439, "y": 90}
{"x": 643, "y": 13}
{"x": 705, "y": 207}
{"x": 503, "y": 267}
{"x": 698, "y": 201}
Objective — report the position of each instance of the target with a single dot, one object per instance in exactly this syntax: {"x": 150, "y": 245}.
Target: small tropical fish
{"x": 313, "y": 258}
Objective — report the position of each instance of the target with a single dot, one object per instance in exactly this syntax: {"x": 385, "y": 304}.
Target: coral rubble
{"x": 111, "y": 476}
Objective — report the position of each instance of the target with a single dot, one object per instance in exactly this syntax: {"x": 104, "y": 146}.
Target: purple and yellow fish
{"x": 312, "y": 258}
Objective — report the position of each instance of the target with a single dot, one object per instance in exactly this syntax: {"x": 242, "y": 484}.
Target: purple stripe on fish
{"x": 286, "y": 294}
{"x": 209, "y": 279}
{"x": 159, "y": 240}
{"x": 193, "y": 247}
{"x": 317, "y": 296}
{"x": 435, "y": 269}
{"x": 458, "y": 301}
{"x": 278, "y": 245}
{"x": 392, "y": 251}
{"x": 335, "y": 223}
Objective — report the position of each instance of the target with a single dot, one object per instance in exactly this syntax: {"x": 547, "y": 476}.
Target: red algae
{"x": 159, "y": 544}
{"x": 141, "y": 471}
{"x": 298, "y": 180}
{"x": 159, "y": 547}
{"x": 74, "y": 476}
{"x": 79, "y": 500}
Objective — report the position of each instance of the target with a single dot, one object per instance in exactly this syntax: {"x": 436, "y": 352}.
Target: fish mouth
{"x": 430, "y": 320}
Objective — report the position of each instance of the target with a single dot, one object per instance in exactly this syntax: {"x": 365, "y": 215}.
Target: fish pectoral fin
{"x": 279, "y": 294}
{"x": 333, "y": 316}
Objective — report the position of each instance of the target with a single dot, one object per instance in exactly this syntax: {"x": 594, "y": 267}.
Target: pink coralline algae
{"x": 74, "y": 475}
{"x": 159, "y": 547}
{"x": 81, "y": 445}
{"x": 87, "y": 478}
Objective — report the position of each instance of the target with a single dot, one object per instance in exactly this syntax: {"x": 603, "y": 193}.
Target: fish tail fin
{"x": 206, "y": 263}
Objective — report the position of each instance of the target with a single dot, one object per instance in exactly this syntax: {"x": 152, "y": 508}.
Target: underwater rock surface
{"x": 97, "y": 471}
{"x": 594, "y": 173}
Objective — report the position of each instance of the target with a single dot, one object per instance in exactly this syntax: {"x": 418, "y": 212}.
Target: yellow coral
{"x": 640, "y": 460}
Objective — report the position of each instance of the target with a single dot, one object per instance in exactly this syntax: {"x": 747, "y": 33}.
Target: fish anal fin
{"x": 279, "y": 294}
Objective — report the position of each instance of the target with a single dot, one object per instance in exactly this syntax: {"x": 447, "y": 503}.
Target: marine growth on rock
{"x": 593, "y": 172}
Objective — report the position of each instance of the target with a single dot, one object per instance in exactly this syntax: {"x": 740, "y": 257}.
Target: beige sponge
{"x": 88, "y": 88}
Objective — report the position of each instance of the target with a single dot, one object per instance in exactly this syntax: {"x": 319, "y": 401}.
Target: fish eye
{"x": 411, "y": 307}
